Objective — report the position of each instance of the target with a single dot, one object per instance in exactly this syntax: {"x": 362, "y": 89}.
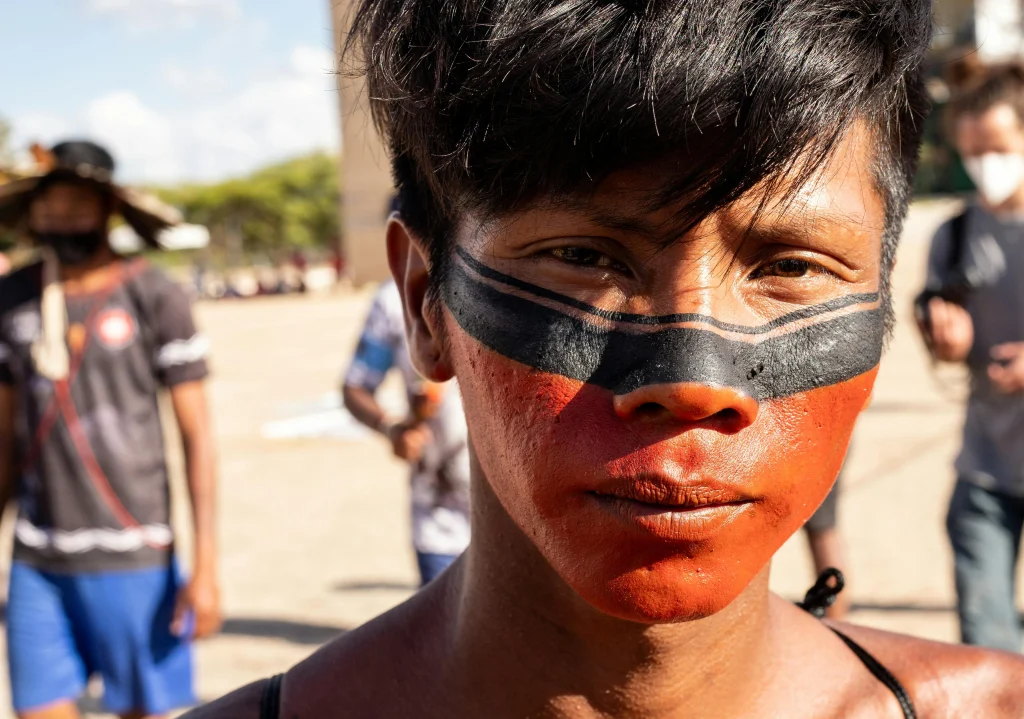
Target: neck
{"x": 524, "y": 640}
{"x": 92, "y": 275}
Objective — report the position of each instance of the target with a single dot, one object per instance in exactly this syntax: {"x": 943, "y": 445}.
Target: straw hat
{"x": 83, "y": 161}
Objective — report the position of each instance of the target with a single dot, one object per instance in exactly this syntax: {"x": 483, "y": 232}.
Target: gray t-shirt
{"x": 91, "y": 472}
{"x": 993, "y": 437}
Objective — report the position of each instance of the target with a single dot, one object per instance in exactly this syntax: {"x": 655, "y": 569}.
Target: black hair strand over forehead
{"x": 487, "y": 104}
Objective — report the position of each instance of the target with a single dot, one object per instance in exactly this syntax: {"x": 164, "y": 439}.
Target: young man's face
{"x": 991, "y": 144}
{"x": 658, "y": 418}
{"x": 68, "y": 208}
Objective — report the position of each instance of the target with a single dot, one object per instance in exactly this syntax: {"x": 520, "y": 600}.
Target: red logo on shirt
{"x": 115, "y": 329}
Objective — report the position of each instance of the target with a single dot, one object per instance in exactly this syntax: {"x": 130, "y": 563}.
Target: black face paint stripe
{"x": 822, "y": 354}
{"x": 629, "y": 318}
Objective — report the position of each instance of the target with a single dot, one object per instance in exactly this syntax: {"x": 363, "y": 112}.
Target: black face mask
{"x": 73, "y": 248}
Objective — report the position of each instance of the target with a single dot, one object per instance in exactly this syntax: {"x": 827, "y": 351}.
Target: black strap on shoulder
{"x": 822, "y": 596}
{"x": 882, "y": 674}
{"x": 824, "y": 592}
{"x": 957, "y": 243}
{"x": 270, "y": 702}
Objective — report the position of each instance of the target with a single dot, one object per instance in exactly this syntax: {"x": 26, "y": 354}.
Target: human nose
{"x": 723, "y": 408}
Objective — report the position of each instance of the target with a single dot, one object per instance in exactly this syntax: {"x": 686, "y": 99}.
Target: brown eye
{"x": 583, "y": 257}
{"x": 785, "y": 268}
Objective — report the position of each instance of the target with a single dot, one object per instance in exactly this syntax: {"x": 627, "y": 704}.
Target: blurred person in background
{"x": 432, "y": 438}
{"x": 337, "y": 262}
{"x": 87, "y": 340}
{"x": 972, "y": 311}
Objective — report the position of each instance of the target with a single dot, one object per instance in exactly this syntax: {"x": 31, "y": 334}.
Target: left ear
{"x": 424, "y": 324}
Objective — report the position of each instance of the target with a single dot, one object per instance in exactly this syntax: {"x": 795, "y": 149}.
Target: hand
{"x": 1007, "y": 371}
{"x": 200, "y": 598}
{"x": 427, "y": 400}
{"x": 409, "y": 440}
{"x": 951, "y": 332}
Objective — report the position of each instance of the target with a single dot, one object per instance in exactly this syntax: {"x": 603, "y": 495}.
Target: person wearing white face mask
{"x": 997, "y": 175}
{"x": 972, "y": 311}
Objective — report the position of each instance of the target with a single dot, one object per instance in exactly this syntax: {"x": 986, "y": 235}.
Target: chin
{"x": 676, "y": 588}
{"x": 665, "y": 600}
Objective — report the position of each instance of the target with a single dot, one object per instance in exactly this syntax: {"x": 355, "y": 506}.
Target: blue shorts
{"x": 432, "y": 565}
{"x": 64, "y": 628}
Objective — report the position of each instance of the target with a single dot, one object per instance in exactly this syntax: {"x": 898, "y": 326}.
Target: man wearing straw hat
{"x": 87, "y": 340}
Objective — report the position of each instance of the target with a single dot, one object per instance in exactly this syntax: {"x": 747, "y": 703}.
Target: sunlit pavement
{"x": 315, "y": 529}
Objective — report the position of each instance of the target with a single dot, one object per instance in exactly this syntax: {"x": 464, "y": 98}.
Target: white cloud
{"x": 154, "y": 14}
{"x": 38, "y": 127}
{"x": 309, "y": 60}
{"x": 143, "y": 139}
{"x": 193, "y": 81}
{"x": 273, "y": 118}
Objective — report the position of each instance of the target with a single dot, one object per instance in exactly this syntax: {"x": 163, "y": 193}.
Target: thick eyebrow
{"x": 762, "y": 227}
{"x": 801, "y": 231}
{"x": 630, "y": 224}
{"x": 638, "y": 223}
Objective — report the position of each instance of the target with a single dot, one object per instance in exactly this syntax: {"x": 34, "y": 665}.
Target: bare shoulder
{"x": 947, "y": 679}
{"x": 242, "y": 704}
{"x": 361, "y": 669}
{"x": 357, "y": 671}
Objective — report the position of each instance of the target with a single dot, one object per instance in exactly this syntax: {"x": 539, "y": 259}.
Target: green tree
{"x": 289, "y": 205}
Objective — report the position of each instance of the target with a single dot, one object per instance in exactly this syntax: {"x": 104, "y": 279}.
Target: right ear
{"x": 410, "y": 266}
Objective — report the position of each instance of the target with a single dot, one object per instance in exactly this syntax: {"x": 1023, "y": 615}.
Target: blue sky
{"x": 181, "y": 90}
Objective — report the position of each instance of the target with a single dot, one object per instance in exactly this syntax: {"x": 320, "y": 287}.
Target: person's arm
{"x": 180, "y": 366}
{"x": 382, "y": 337}
{"x": 948, "y": 330}
{"x": 362, "y": 404}
{"x": 408, "y": 438}
{"x": 1006, "y": 370}
{"x": 8, "y": 410}
{"x": 202, "y": 595}
{"x": 951, "y": 330}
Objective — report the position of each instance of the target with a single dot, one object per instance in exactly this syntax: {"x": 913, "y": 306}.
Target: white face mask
{"x": 996, "y": 175}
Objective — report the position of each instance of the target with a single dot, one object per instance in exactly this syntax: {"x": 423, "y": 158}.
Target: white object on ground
{"x": 328, "y": 419}
{"x": 181, "y": 237}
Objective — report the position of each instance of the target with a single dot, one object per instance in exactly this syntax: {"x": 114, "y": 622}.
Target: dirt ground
{"x": 315, "y": 536}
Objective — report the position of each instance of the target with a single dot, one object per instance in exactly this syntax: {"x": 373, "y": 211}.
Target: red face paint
{"x": 656, "y": 521}
{"x": 548, "y": 444}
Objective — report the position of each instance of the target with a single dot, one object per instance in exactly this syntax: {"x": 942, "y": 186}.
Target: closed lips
{"x": 672, "y": 495}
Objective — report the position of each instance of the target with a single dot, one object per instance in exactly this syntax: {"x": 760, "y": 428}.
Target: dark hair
{"x": 486, "y": 104}
{"x": 82, "y": 163}
{"x": 978, "y": 88}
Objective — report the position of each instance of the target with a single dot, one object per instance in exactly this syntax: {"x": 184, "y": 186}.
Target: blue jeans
{"x": 432, "y": 564}
{"x": 985, "y": 529}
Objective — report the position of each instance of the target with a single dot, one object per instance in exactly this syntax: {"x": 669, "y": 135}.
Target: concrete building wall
{"x": 365, "y": 173}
